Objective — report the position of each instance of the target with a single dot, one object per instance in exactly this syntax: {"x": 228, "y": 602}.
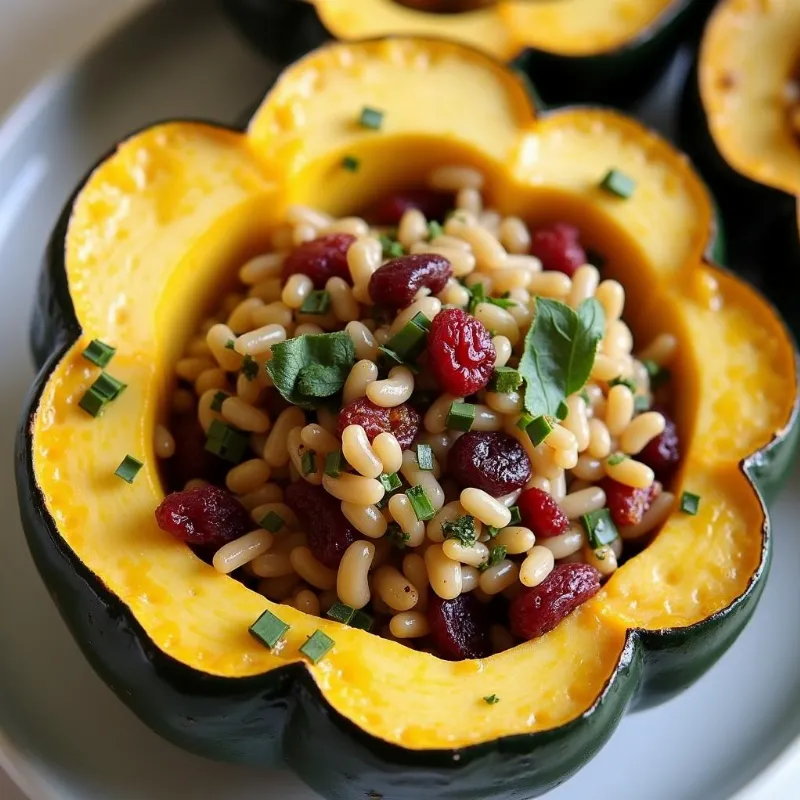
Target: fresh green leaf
{"x": 462, "y": 529}
{"x": 559, "y": 353}
{"x": 308, "y": 368}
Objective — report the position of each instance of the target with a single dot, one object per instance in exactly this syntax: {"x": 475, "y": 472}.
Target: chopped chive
{"x": 524, "y": 421}
{"x": 272, "y": 522}
{"x": 562, "y": 412}
{"x": 92, "y": 402}
{"x": 690, "y": 503}
{"x": 496, "y": 555}
{"x": 230, "y": 344}
{"x": 362, "y": 620}
{"x": 390, "y": 482}
{"x": 477, "y": 294}
{"x": 249, "y": 368}
{"x": 600, "y": 528}
{"x": 351, "y": 163}
{"x": 461, "y": 416}
{"x": 491, "y": 699}
{"x": 391, "y": 248}
{"x": 641, "y": 403}
{"x": 491, "y": 531}
{"x": 658, "y": 375}
{"x": 539, "y": 429}
{"x": 421, "y": 320}
{"x": 341, "y": 613}
{"x": 334, "y": 464}
{"x": 409, "y": 342}
{"x": 396, "y": 535}
{"x": 462, "y": 529}
{"x": 226, "y": 442}
{"x": 99, "y": 353}
{"x": 317, "y": 302}
{"x": 268, "y": 629}
{"x": 425, "y": 457}
{"x": 616, "y": 458}
{"x": 620, "y": 381}
{"x": 308, "y": 463}
{"x": 108, "y": 386}
{"x": 618, "y": 183}
{"x": 421, "y": 503}
{"x": 317, "y": 646}
{"x": 504, "y": 380}
{"x": 217, "y": 401}
{"x": 435, "y": 230}
{"x": 371, "y": 118}
{"x": 394, "y": 359}
{"x": 128, "y": 469}
{"x": 516, "y": 517}
{"x": 501, "y": 302}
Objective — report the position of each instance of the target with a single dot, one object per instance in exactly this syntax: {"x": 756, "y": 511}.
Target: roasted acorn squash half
{"x": 596, "y": 50}
{"x": 140, "y": 252}
{"x": 741, "y": 125}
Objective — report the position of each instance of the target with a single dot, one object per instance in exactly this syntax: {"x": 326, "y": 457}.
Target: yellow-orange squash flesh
{"x": 177, "y": 209}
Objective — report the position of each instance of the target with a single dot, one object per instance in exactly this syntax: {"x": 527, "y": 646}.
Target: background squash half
{"x": 578, "y": 50}
{"x": 740, "y": 122}
{"x": 141, "y": 251}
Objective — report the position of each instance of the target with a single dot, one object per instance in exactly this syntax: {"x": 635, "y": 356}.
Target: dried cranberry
{"x": 540, "y": 608}
{"x": 390, "y": 210}
{"x": 459, "y": 627}
{"x": 494, "y": 462}
{"x": 320, "y": 515}
{"x": 663, "y": 453}
{"x": 204, "y": 517}
{"x": 402, "y": 421}
{"x": 542, "y": 514}
{"x": 397, "y": 282}
{"x": 321, "y": 258}
{"x": 627, "y": 505}
{"x": 558, "y": 248}
{"x": 460, "y": 352}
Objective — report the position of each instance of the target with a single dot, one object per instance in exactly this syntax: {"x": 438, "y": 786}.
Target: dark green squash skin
{"x": 286, "y": 29}
{"x": 281, "y": 717}
{"x": 762, "y": 221}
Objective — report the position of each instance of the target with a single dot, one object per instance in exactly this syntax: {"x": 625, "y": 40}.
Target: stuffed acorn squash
{"x": 150, "y": 246}
{"x": 596, "y": 50}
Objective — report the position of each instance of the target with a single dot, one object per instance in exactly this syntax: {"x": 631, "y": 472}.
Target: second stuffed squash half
{"x": 143, "y": 251}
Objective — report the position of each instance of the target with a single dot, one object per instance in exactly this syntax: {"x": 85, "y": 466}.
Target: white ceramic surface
{"x": 63, "y": 734}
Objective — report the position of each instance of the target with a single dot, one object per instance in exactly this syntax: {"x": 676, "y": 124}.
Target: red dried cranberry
{"x": 459, "y": 627}
{"x": 402, "y": 421}
{"x": 397, "y": 282}
{"x": 204, "y": 517}
{"x": 663, "y": 453}
{"x": 494, "y": 462}
{"x": 460, "y": 352}
{"x": 320, "y": 515}
{"x": 558, "y": 248}
{"x": 390, "y": 210}
{"x": 627, "y": 505}
{"x": 542, "y": 514}
{"x": 321, "y": 258}
{"x": 539, "y": 609}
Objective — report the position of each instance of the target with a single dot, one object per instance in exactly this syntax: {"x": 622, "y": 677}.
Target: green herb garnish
{"x": 317, "y": 646}
{"x": 461, "y": 416}
{"x": 390, "y": 482}
{"x": 618, "y": 183}
{"x": 272, "y": 522}
{"x": 317, "y": 302}
{"x": 641, "y": 403}
{"x": 409, "y": 342}
{"x": 217, "y": 401}
{"x": 351, "y": 163}
{"x": 371, "y": 118}
{"x": 462, "y": 529}
{"x": 504, "y": 380}
{"x": 435, "y": 230}
{"x": 620, "y": 381}
{"x": 99, "y": 353}
{"x": 250, "y": 368}
{"x": 477, "y": 294}
{"x": 309, "y": 368}
{"x": 516, "y": 516}
{"x": 421, "y": 503}
{"x": 539, "y": 429}
{"x": 128, "y": 469}
{"x": 616, "y": 458}
{"x": 559, "y": 353}
{"x": 491, "y": 699}
{"x": 600, "y": 528}
{"x": 690, "y": 503}
{"x": 105, "y": 389}
{"x": 308, "y": 462}
{"x": 230, "y": 344}
{"x": 658, "y": 375}
{"x": 341, "y": 613}
{"x": 394, "y": 533}
{"x": 334, "y": 464}
{"x": 425, "y": 457}
{"x": 226, "y": 441}
{"x": 362, "y": 620}
{"x": 562, "y": 412}
{"x": 268, "y": 629}
{"x": 391, "y": 247}
{"x": 496, "y": 555}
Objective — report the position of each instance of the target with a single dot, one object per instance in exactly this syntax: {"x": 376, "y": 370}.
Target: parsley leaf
{"x": 250, "y": 368}
{"x": 308, "y": 368}
{"x": 462, "y": 529}
{"x": 496, "y": 555}
{"x": 391, "y": 247}
{"x": 560, "y": 349}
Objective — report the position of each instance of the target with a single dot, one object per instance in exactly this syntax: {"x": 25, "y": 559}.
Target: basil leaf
{"x": 308, "y": 368}
{"x": 560, "y": 348}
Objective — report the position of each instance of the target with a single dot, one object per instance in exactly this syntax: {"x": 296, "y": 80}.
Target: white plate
{"x": 64, "y": 734}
